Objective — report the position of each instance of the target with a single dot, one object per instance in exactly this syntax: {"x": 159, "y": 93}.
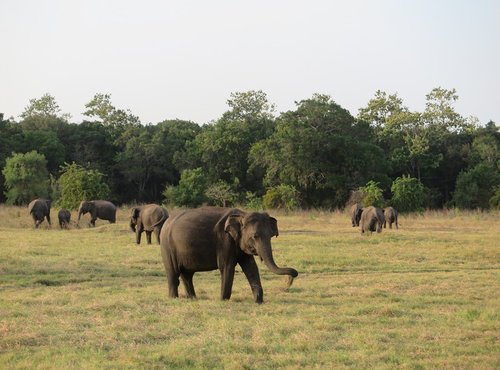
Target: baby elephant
{"x": 372, "y": 219}
{"x": 149, "y": 218}
{"x": 390, "y": 216}
{"x": 64, "y": 217}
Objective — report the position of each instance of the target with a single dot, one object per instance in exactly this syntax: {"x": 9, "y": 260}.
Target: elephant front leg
{"x": 138, "y": 234}
{"x": 251, "y": 271}
{"x": 227, "y": 276}
{"x": 187, "y": 279}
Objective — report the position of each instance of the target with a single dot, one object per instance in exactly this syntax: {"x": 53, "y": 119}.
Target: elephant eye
{"x": 255, "y": 236}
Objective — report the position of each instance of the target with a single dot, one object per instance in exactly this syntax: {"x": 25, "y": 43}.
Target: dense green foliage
{"x": 26, "y": 177}
{"x": 318, "y": 148}
{"x": 78, "y": 183}
{"x": 408, "y": 194}
{"x": 281, "y": 197}
{"x": 372, "y": 194}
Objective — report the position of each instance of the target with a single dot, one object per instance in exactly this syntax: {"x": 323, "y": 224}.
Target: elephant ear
{"x": 232, "y": 226}
{"x": 135, "y": 212}
{"x": 274, "y": 226}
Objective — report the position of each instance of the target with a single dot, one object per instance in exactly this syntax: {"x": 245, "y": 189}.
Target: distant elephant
{"x": 39, "y": 209}
{"x": 390, "y": 216}
{"x": 206, "y": 239}
{"x": 64, "y": 217}
{"x": 372, "y": 219}
{"x": 355, "y": 212}
{"x": 148, "y": 218}
{"x": 98, "y": 209}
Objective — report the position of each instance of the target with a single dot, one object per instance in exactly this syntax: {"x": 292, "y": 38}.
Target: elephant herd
{"x": 201, "y": 239}
{"x": 208, "y": 238}
{"x": 372, "y": 218}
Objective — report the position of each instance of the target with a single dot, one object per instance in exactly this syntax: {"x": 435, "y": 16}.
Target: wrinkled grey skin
{"x": 372, "y": 219}
{"x": 39, "y": 209}
{"x": 390, "y": 216}
{"x": 355, "y": 212}
{"x": 149, "y": 218}
{"x": 64, "y": 217}
{"x": 206, "y": 239}
{"x": 98, "y": 209}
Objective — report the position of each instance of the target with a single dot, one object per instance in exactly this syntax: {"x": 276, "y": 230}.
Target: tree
{"x": 408, "y": 194}
{"x": 320, "y": 150}
{"x": 100, "y": 108}
{"x": 221, "y": 194}
{"x": 78, "y": 183}
{"x": 223, "y": 147}
{"x": 26, "y": 177}
{"x": 191, "y": 189}
{"x": 44, "y": 107}
{"x": 380, "y": 108}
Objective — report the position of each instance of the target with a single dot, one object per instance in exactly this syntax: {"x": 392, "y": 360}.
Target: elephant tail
{"x": 161, "y": 221}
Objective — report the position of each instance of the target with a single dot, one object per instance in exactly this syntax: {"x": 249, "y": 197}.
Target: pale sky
{"x": 182, "y": 59}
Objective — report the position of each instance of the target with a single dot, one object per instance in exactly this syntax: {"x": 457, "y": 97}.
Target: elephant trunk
{"x": 80, "y": 212}
{"x": 265, "y": 252}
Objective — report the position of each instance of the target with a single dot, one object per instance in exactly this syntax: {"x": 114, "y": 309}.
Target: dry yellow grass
{"x": 423, "y": 296}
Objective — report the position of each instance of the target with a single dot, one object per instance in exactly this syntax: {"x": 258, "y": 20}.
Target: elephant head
{"x": 85, "y": 207}
{"x": 252, "y": 232}
{"x": 134, "y": 215}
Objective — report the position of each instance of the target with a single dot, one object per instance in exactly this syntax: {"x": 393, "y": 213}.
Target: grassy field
{"x": 425, "y": 296}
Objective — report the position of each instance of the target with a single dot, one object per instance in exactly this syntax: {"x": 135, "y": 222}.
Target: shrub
{"x": 408, "y": 194}
{"x": 221, "y": 194}
{"x": 78, "y": 183}
{"x": 495, "y": 199}
{"x": 281, "y": 197}
{"x": 476, "y": 186}
{"x": 191, "y": 189}
{"x": 372, "y": 194}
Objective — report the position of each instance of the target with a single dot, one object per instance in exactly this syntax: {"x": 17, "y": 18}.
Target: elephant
{"x": 39, "y": 209}
{"x": 149, "y": 218}
{"x": 102, "y": 209}
{"x": 390, "y": 216}
{"x": 355, "y": 212}
{"x": 372, "y": 219}
{"x": 64, "y": 217}
{"x": 210, "y": 238}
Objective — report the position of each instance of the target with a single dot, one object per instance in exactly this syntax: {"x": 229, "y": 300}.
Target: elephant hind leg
{"x": 187, "y": 280}
{"x": 148, "y": 237}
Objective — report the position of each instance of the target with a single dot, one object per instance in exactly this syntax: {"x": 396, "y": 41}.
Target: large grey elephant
{"x": 390, "y": 216}
{"x": 206, "y": 239}
{"x": 39, "y": 209}
{"x": 355, "y": 212}
{"x": 64, "y": 217}
{"x": 102, "y": 209}
{"x": 149, "y": 218}
{"x": 372, "y": 219}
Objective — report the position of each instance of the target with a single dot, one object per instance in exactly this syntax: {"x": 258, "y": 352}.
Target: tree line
{"x": 317, "y": 155}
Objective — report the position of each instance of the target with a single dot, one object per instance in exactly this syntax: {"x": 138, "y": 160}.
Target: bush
{"x": 495, "y": 199}
{"x": 281, "y": 197}
{"x": 372, "y": 194}
{"x": 78, "y": 183}
{"x": 26, "y": 177}
{"x": 191, "y": 189}
{"x": 475, "y": 187}
{"x": 253, "y": 201}
{"x": 408, "y": 194}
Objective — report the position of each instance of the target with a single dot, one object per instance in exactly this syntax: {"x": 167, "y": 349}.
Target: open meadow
{"x": 425, "y": 296}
